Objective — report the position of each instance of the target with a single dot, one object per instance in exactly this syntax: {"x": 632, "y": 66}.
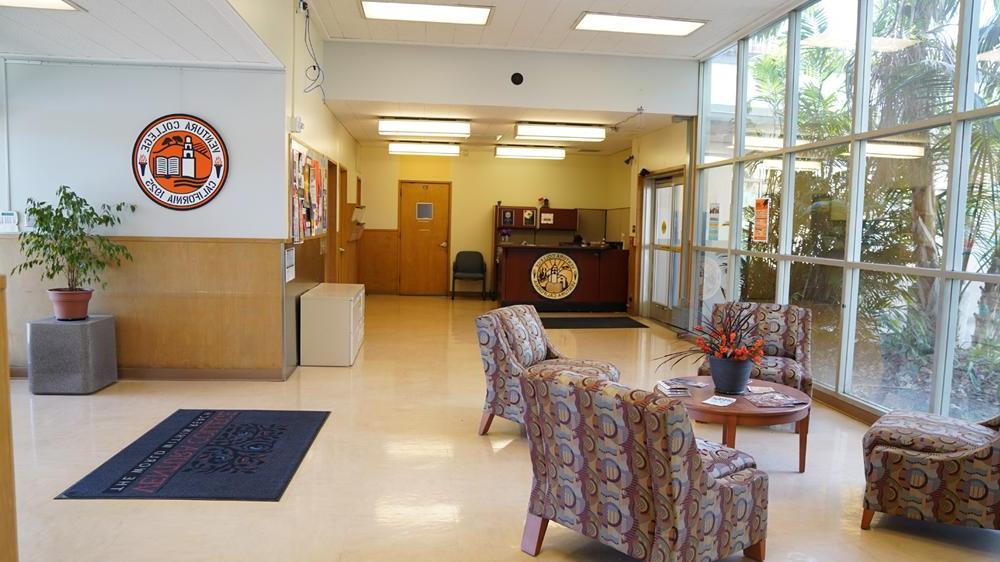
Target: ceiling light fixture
{"x": 424, "y": 149}
{"x": 424, "y": 128}
{"x": 531, "y": 152}
{"x": 426, "y": 13}
{"x": 39, "y": 4}
{"x": 551, "y": 132}
{"x": 895, "y": 150}
{"x": 637, "y": 24}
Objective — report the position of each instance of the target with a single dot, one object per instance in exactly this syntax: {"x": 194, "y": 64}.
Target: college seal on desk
{"x": 180, "y": 162}
{"x": 554, "y": 276}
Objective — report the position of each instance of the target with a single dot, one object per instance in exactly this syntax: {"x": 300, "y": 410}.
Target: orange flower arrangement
{"x": 732, "y": 336}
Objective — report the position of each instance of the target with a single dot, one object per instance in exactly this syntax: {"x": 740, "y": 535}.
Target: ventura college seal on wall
{"x": 180, "y": 161}
{"x": 554, "y": 276}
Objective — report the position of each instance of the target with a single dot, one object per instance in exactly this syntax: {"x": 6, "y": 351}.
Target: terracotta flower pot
{"x": 70, "y": 304}
{"x": 729, "y": 375}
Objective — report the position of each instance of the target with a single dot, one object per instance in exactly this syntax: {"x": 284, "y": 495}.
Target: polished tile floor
{"x": 398, "y": 472}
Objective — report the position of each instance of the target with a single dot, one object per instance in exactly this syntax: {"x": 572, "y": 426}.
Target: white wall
{"x": 75, "y": 124}
{"x": 443, "y": 75}
{"x": 282, "y": 28}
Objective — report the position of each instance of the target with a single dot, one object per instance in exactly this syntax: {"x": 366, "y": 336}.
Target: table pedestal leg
{"x": 802, "y": 428}
{"x": 729, "y": 433}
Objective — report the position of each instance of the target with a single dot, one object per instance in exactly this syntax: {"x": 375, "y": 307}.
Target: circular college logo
{"x": 180, "y": 161}
{"x": 554, "y": 276}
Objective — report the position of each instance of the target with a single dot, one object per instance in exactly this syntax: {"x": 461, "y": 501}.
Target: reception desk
{"x": 571, "y": 278}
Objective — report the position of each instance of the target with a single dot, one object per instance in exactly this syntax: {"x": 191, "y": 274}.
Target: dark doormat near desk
{"x": 248, "y": 455}
{"x": 589, "y": 322}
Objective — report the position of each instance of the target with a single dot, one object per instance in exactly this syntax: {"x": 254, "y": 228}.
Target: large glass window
{"x": 868, "y": 201}
{"x": 716, "y": 204}
{"x": 765, "y": 108}
{"x": 712, "y": 269}
{"x": 819, "y": 215}
{"x": 981, "y": 251}
{"x": 905, "y": 190}
{"x": 975, "y": 376}
{"x": 988, "y": 55}
{"x": 758, "y": 279}
{"x": 894, "y": 347}
{"x": 762, "y": 186}
{"x": 913, "y": 48}
{"x": 819, "y": 289}
{"x": 719, "y": 132}
{"x": 826, "y": 72}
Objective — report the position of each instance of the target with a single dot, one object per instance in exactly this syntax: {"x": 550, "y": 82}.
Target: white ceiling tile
{"x": 184, "y": 30}
{"x": 58, "y": 37}
{"x": 443, "y": 34}
{"x": 348, "y": 15}
{"x": 412, "y": 32}
{"x": 505, "y": 16}
{"x": 128, "y": 23}
{"x": 533, "y": 20}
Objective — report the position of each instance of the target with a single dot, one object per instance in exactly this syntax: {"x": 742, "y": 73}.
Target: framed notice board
{"x": 307, "y": 192}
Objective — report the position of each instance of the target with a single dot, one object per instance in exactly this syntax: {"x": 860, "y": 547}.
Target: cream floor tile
{"x": 398, "y": 471}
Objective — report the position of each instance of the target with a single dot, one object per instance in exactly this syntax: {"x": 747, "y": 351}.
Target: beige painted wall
{"x": 658, "y": 150}
{"x": 479, "y": 180}
{"x": 282, "y": 28}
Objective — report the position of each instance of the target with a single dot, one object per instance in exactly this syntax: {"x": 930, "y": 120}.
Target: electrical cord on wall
{"x": 314, "y": 72}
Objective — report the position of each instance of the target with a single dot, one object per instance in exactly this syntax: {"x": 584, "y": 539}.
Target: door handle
{"x": 342, "y": 250}
{"x": 444, "y": 244}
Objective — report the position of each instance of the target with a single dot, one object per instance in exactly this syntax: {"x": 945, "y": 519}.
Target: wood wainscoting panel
{"x": 8, "y": 517}
{"x": 183, "y": 303}
{"x": 379, "y": 261}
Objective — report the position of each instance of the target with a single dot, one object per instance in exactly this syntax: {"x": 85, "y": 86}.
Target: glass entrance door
{"x": 668, "y": 294}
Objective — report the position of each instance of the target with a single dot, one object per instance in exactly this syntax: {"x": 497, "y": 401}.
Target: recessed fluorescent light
{"x": 38, "y": 4}
{"x": 424, "y": 148}
{"x": 550, "y": 132}
{"x": 427, "y": 13}
{"x": 894, "y": 150}
{"x": 531, "y": 152}
{"x": 424, "y": 128}
{"x": 637, "y": 24}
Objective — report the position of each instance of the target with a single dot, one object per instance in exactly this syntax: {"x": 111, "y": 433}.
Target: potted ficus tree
{"x": 62, "y": 243}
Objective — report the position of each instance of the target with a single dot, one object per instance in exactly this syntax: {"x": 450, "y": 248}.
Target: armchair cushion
{"x": 583, "y": 367}
{"x": 932, "y": 468}
{"x": 721, "y": 461}
{"x": 927, "y": 433}
{"x": 525, "y": 334}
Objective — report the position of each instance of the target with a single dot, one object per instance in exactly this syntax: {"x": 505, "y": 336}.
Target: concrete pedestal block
{"x": 74, "y": 357}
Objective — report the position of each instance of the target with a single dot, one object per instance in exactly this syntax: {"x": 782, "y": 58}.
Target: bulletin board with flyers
{"x": 307, "y": 192}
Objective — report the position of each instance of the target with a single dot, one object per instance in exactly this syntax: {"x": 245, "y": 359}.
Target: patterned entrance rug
{"x": 207, "y": 455}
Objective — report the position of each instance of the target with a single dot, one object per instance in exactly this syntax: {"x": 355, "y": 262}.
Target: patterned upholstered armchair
{"x": 786, "y": 331}
{"x": 929, "y": 467}
{"x": 623, "y": 467}
{"x": 512, "y": 342}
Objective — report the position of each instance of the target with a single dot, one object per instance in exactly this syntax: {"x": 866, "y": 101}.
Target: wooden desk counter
{"x": 577, "y": 278}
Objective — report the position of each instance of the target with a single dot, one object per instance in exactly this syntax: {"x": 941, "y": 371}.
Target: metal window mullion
{"x": 862, "y": 67}
{"x": 736, "y": 193}
{"x": 786, "y": 205}
{"x": 703, "y": 108}
{"x": 965, "y": 61}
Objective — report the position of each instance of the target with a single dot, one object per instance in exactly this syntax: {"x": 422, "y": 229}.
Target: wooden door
{"x": 347, "y": 249}
{"x": 332, "y": 255}
{"x": 424, "y": 228}
{"x": 8, "y": 527}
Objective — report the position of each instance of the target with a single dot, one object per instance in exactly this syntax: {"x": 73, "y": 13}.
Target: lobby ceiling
{"x": 361, "y": 120}
{"x": 547, "y": 25}
{"x": 168, "y": 31}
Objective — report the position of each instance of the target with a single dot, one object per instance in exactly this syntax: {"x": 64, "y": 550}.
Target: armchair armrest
{"x": 993, "y": 424}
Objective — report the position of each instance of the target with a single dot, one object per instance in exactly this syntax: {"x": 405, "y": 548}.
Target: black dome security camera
{"x": 517, "y": 78}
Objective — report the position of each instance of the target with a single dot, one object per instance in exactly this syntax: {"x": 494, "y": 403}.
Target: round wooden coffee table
{"x": 743, "y": 412}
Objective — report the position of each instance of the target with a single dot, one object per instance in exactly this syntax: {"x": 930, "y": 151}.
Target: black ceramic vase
{"x": 729, "y": 375}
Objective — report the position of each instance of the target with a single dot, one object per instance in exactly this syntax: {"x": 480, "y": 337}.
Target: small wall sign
{"x": 180, "y": 161}
{"x": 554, "y": 275}
{"x": 761, "y": 219}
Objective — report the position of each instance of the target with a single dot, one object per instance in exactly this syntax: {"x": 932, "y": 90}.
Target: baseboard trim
{"x": 844, "y": 407}
{"x": 158, "y": 374}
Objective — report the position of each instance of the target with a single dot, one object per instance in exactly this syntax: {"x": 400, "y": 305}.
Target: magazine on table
{"x": 671, "y": 391}
{"x": 774, "y": 400}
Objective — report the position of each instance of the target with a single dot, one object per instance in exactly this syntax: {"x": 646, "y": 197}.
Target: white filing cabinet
{"x": 331, "y": 324}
